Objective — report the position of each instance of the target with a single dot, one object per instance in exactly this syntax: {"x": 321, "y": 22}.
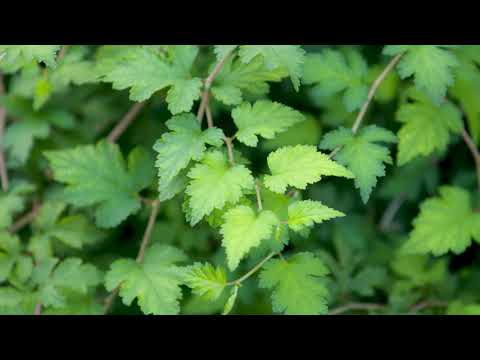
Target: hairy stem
{"x": 141, "y": 253}
{"x": 252, "y": 271}
{"x": 3, "y": 119}
{"x": 475, "y": 153}
{"x": 125, "y": 122}
{"x": 228, "y": 142}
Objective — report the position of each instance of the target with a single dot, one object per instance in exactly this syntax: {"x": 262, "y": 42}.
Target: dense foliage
{"x": 239, "y": 179}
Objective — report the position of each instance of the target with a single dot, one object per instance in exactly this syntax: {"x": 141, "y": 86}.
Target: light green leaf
{"x": 206, "y": 280}
{"x": 303, "y": 214}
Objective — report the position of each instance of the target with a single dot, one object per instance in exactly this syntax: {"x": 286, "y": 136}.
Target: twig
{"x": 3, "y": 117}
{"x": 475, "y": 153}
{"x": 371, "y": 93}
{"x": 141, "y": 253}
{"x": 391, "y": 211}
{"x": 125, "y": 122}
{"x": 252, "y": 271}
{"x": 228, "y": 142}
{"x": 208, "y": 83}
{"x": 25, "y": 219}
{"x": 427, "y": 304}
{"x": 62, "y": 52}
{"x": 38, "y": 309}
{"x": 209, "y": 117}
{"x": 355, "y": 306}
{"x": 259, "y": 197}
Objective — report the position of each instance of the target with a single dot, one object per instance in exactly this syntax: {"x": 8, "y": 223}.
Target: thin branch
{"x": 427, "y": 304}
{"x": 391, "y": 211}
{"x": 228, "y": 142}
{"x": 3, "y": 118}
{"x": 25, "y": 219}
{"x": 208, "y": 83}
{"x": 148, "y": 231}
{"x": 355, "y": 306}
{"x": 475, "y": 153}
{"x": 259, "y": 197}
{"x": 125, "y": 122}
{"x": 209, "y": 117}
{"x": 252, "y": 271}
{"x": 62, "y": 52}
{"x": 371, "y": 94}
{"x": 141, "y": 253}
{"x": 38, "y": 309}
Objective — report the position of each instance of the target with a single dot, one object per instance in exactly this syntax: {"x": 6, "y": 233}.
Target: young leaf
{"x": 332, "y": 73}
{"x": 426, "y": 128}
{"x": 243, "y": 230}
{"x": 299, "y": 166}
{"x": 184, "y": 143}
{"x": 214, "y": 183}
{"x": 155, "y": 283}
{"x": 97, "y": 175}
{"x": 361, "y": 155}
{"x": 297, "y": 284}
{"x": 231, "y": 301}
{"x": 145, "y": 71}
{"x": 303, "y": 214}
{"x": 290, "y": 57}
{"x": 14, "y": 57}
{"x": 445, "y": 223}
{"x": 205, "y": 280}
{"x": 431, "y": 65}
{"x": 264, "y": 118}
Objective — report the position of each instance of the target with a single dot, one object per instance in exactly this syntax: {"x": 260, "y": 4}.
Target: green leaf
{"x": 445, "y": 223}
{"x": 155, "y": 283}
{"x": 214, "y": 183}
{"x": 145, "y": 71}
{"x": 244, "y": 230}
{"x": 461, "y": 308}
{"x": 297, "y": 284}
{"x": 426, "y": 128}
{"x": 97, "y": 175}
{"x": 431, "y": 65}
{"x": 264, "y": 118}
{"x": 14, "y": 57}
{"x": 13, "y": 202}
{"x": 361, "y": 155}
{"x": 303, "y": 214}
{"x": 290, "y": 57}
{"x": 184, "y": 143}
{"x": 299, "y": 166}
{"x": 231, "y": 301}
{"x": 223, "y": 50}
{"x": 205, "y": 280}
{"x": 333, "y": 73}
{"x": 237, "y": 79}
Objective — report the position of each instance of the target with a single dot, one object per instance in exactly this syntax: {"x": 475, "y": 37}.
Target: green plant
{"x": 260, "y": 178}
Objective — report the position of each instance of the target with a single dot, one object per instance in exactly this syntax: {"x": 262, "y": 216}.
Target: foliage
{"x": 239, "y": 179}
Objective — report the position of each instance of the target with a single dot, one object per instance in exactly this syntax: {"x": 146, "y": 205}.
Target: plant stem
{"x": 475, "y": 153}
{"x": 148, "y": 231}
{"x": 141, "y": 253}
{"x": 208, "y": 83}
{"x": 355, "y": 306}
{"x": 25, "y": 219}
{"x": 62, "y": 52}
{"x": 391, "y": 211}
{"x": 252, "y": 271}
{"x": 259, "y": 197}
{"x": 38, "y": 309}
{"x": 371, "y": 94}
{"x": 427, "y": 304}
{"x": 209, "y": 117}
{"x": 228, "y": 142}
{"x": 125, "y": 122}
{"x": 3, "y": 119}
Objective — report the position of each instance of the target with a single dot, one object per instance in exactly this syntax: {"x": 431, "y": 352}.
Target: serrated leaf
{"x": 155, "y": 283}
{"x": 297, "y": 284}
{"x": 145, "y": 71}
{"x": 299, "y": 166}
{"x": 445, "y": 223}
{"x": 177, "y": 148}
{"x": 290, "y": 57}
{"x": 206, "y": 280}
{"x": 97, "y": 175}
{"x": 431, "y": 65}
{"x": 426, "y": 128}
{"x": 303, "y": 214}
{"x": 264, "y": 118}
{"x": 332, "y": 72}
{"x": 13, "y": 57}
{"x": 214, "y": 183}
{"x": 244, "y": 230}
{"x": 361, "y": 155}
